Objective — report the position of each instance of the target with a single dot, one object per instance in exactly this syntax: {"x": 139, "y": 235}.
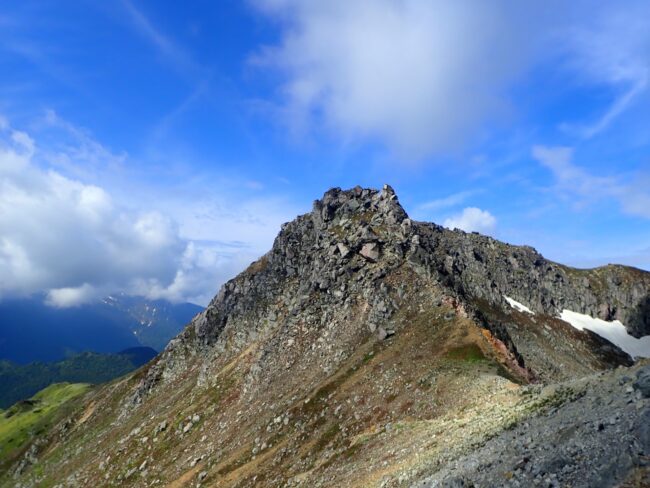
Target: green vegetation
{"x": 557, "y": 398}
{"x": 18, "y": 382}
{"x": 368, "y": 357}
{"x": 470, "y": 353}
{"x": 327, "y": 437}
{"x": 29, "y": 418}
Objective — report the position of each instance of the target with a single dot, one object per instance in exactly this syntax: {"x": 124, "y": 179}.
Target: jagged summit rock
{"x": 352, "y": 239}
{"x": 368, "y": 349}
{"x": 337, "y": 203}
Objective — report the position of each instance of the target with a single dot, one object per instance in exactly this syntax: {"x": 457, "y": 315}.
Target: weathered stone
{"x": 162, "y": 426}
{"x": 642, "y": 382}
{"x": 343, "y": 249}
{"x": 370, "y": 251}
{"x": 296, "y": 323}
{"x": 383, "y": 334}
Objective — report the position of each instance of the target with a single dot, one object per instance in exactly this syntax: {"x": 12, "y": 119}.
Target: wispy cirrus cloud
{"x": 73, "y": 150}
{"x": 611, "y": 47}
{"x": 445, "y": 202}
{"x": 580, "y": 187}
{"x": 169, "y": 50}
{"x": 399, "y": 72}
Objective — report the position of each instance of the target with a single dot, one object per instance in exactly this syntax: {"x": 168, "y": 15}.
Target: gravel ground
{"x": 598, "y": 437}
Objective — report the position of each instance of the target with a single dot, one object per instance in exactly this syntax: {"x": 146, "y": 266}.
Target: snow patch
{"x": 518, "y": 306}
{"x": 615, "y": 332}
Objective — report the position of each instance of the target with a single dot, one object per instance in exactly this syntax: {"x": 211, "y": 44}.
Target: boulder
{"x": 343, "y": 249}
{"x": 642, "y": 382}
{"x": 370, "y": 251}
{"x": 383, "y": 334}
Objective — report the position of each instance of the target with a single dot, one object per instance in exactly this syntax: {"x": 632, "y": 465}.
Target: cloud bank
{"x": 74, "y": 242}
{"x": 69, "y": 238}
{"x": 422, "y": 76}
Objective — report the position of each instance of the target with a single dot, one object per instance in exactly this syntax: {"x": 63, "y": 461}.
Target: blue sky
{"x": 155, "y": 148}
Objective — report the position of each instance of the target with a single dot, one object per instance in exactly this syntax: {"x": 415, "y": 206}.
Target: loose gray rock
{"x": 642, "y": 382}
{"x": 370, "y": 251}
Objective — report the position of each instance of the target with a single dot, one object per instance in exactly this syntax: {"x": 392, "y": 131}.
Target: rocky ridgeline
{"x": 320, "y": 266}
{"x": 366, "y": 349}
{"x": 323, "y": 261}
{"x": 481, "y": 267}
{"x": 350, "y": 236}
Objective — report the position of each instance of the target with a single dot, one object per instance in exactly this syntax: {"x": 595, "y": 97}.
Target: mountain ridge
{"x": 361, "y": 330}
{"x": 32, "y": 331}
{"x": 19, "y": 382}
{"x": 417, "y": 243}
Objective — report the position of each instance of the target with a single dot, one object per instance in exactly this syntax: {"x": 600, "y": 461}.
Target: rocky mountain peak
{"x": 361, "y": 338}
{"x": 352, "y": 239}
{"x": 358, "y": 205}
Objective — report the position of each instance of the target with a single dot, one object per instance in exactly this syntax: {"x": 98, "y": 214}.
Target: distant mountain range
{"x": 18, "y": 382}
{"x": 31, "y": 331}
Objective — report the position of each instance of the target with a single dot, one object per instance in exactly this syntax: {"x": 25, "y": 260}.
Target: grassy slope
{"x": 431, "y": 392}
{"x": 395, "y": 407}
{"x": 25, "y": 419}
{"x": 18, "y": 382}
{"x": 389, "y": 382}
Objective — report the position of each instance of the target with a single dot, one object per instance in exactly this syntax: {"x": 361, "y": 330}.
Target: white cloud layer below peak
{"x": 74, "y": 242}
{"x": 70, "y": 238}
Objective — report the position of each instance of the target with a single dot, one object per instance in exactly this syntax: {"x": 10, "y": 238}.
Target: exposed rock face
{"x": 319, "y": 264}
{"x": 482, "y": 267}
{"x": 364, "y": 349}
{"x": 370, "y": 251}
{"x": 334, "y": 252}
{"x": 590, "y": 441}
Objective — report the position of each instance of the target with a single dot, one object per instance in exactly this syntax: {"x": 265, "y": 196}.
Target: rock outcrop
{"x": 364, "y": 349}
{"x": 353, "y": 239}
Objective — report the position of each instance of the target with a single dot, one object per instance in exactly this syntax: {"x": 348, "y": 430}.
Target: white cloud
{"x": 446, "y": 202}
{"x": 582, "y": 188}
{"x": 74, "y": 151}
{"x": 472, "y": 219}
{"x": 72, "y": 241}
{"x": 22, "y": 140}
{"x": 203, "y": 269}
{"x": 62, "y": 235}
{"x": 422, "y": 76}
{"x": 71, "y": 297}
{"x": 612, "y": 48}
{"x": 400, "y": 71}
